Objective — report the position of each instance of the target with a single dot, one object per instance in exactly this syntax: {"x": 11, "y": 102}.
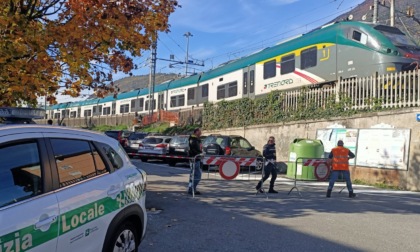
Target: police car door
{"x": 86, "y": 193}
{"x": 28, "y": 209}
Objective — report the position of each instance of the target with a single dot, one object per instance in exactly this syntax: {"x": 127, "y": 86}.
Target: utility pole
{"x": 152, "y": 77}
{"x": 392, "y": 12}
{"x": 375, "y": 11}
{"x": 188, "y": 35}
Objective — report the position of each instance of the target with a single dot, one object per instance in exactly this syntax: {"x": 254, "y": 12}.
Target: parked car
{"x": 120, "y": 135}
{"x": 178, "y": 146}
{"x": 230, "y": 145}
{"x": 153, "y": 145}
{"x": 65, "y": 189}
{"x": 133, "y": 142}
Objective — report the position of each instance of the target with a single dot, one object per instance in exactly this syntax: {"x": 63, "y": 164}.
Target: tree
{"x": 71, "y": 45}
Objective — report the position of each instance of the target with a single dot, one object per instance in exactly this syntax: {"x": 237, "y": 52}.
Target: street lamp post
{"x": 188, "y": 35}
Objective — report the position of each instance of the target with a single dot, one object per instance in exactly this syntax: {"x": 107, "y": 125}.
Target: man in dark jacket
{"x": 269, "y": 152}
{"x": 195, "y": 163}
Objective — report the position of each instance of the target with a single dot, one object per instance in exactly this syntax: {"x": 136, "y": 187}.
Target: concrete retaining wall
{"x": 285, "y": 133}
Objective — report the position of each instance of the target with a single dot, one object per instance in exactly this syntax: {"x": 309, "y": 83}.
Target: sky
{"x": 224, "y": 30}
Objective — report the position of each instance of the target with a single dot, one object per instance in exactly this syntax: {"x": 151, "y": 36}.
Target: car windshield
{"x": 152, "y": 140}
{"x": 180, "y": 140}
{"x": 240, "y": 142}
{"x": 137, "y": 136}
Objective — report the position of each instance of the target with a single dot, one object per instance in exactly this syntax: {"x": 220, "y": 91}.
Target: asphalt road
{"x": 228, "y": 216}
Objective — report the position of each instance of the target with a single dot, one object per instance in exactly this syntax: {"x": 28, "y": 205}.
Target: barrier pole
{"x": 262, "y": 182}
{"x": 295, "y": 185}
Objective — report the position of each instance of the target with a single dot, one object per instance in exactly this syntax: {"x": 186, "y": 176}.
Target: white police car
{"x": 65, "y": 189}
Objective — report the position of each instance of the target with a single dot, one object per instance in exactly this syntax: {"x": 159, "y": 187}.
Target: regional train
{"x": 346, "y": 49}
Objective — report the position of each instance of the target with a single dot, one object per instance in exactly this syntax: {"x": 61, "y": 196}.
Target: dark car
{"x": 133, "y": 142}
{"x": 230, "y": 145}
{"x": 120, "y": 135}
{"x": 178, "y": 146}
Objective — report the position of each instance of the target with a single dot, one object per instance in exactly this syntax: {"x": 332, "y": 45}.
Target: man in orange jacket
{"x": 339, "y": 159}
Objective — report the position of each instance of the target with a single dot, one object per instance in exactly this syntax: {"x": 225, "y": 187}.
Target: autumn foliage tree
{"x": 51, "y": 46}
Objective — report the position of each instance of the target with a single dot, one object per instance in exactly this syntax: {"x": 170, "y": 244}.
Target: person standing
{"x": 339, "y": 159}
{"x": 269, "y": 152}
{"x": 195, "y": 163}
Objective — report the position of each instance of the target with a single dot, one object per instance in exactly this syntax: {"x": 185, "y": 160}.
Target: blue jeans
{"x": 334, "y": 177}
{"x": 196, "y": 167}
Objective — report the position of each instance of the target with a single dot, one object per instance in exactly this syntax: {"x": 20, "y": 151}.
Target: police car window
{"x": 20, "y": 172}
{"x": 75, "y": 161}
{"x": 112, "y": 155}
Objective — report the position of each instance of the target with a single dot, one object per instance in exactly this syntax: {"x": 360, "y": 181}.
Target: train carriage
{"x": 340, "y": 50}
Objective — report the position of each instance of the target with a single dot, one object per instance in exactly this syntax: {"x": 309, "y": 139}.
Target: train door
{"x": 248, "y": 82}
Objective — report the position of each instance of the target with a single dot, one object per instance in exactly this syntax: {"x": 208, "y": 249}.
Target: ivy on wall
{"x": 274, "y": 108}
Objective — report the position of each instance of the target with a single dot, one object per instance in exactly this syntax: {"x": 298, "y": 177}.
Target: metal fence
{"x": 395, "y": 90}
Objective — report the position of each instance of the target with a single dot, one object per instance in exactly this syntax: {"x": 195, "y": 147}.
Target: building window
{"x": 308, "y": 58}
{"x": 287, "y": 64}
{"x": 270, "y": 69}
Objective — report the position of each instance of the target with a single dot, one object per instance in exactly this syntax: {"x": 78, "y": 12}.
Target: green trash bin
{"x": 299, "y": 149}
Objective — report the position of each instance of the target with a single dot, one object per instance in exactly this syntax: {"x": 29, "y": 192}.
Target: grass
{"x": 103, "y": 128}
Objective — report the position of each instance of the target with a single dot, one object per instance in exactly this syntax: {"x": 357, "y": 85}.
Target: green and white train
{"x": 344, "y": 50}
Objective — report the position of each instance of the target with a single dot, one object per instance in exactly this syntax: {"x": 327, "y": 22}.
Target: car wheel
{"x": 125, "y": 238}
{"x": 260, "y": 164}
{"x": 143, "y": 159}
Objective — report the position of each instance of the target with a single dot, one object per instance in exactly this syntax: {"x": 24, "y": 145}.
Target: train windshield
{"x": 397, "y": 37}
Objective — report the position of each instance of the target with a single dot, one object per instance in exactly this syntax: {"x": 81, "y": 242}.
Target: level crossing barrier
{"x": 321, "y": 169}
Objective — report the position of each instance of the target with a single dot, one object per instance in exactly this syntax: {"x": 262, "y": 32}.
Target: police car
{"x": 64, "y": 189}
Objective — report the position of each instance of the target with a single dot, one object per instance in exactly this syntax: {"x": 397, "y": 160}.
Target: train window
{"x": 73, "y": 114}
{"x": 56, "y": 115}
{"x": 173, "y": 102}
{"x": 251, "y": 81}
{"x": 361, "y": 37}
{"x": 270, "y": 69}
{"x": 233, "y": 89}
{"x": 87, "y": 113}
{"x": 245, "y": 83}
{"x": 191, "y": 93}
{"x": 124, "y": 108}
{"x": 106, "y": 111}
{"x": 161, "y": 101}
{"x": 114, "y": 106}
{"x": 308, "y": 58}
{"x": 287, "y": 64}
{"x": 147, "y": 104}
{"x": 181, "y": 100}
{"x": 97, "y": 110}
{"x": 133, "y": 105}
{"x": 141, "y": 104}
{"x": 205, "y": 90}
{"x": 221, "y": 92}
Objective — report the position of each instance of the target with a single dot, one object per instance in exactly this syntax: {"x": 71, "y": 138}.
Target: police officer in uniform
{"x": 269, "y": 152}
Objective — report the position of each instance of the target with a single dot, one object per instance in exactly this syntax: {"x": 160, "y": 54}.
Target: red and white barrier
{"x": 217, "y": 160}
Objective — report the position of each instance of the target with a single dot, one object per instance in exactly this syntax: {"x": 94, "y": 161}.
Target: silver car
{"x": 133, "y": 142}
{"x": 153, "y": 147}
